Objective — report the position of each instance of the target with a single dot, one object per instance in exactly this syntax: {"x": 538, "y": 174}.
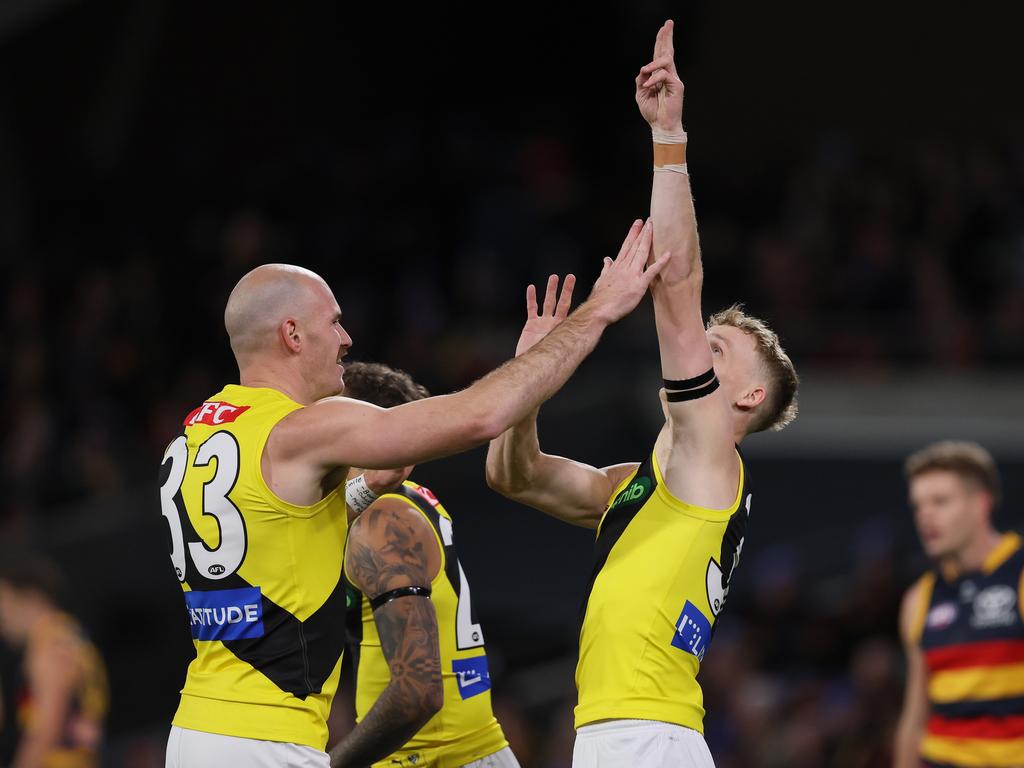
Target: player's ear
{"x": 752, "y": 398}
{"x": 289, "y": 332}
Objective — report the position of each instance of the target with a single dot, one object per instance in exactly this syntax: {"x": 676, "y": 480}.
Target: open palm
{"x": 540, "y": 324}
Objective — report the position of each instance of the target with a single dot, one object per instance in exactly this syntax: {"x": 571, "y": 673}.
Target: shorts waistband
{"x": 614, "y": 726}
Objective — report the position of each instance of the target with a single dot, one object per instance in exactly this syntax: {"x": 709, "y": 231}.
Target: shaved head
{"x": 263, "y": 299}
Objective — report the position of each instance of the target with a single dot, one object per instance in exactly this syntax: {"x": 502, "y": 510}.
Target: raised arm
{"x": 706, "y": 468}
{"x": 341, "y": 432}
{"x": 390, "y": 547}
{"x": 573, "y": 492}
{"x": 914, "y": 716}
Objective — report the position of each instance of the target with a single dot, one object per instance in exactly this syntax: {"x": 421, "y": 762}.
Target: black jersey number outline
{"x": 227, "y": 557}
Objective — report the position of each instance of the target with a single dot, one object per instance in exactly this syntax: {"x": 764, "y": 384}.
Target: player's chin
{"x": 937, "y": 549}
{"x": 335, "y": 386}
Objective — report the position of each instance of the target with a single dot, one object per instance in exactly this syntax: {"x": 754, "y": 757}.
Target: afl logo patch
{"x": 216, "y": 570}
{"x": 941, "y": 616}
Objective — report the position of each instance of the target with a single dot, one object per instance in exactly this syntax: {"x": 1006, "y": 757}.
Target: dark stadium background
{"x": 859, "y": 181}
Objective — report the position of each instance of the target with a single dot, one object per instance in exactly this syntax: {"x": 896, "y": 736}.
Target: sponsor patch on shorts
{"x": 225, "y": 614}
{"x": 472, "y": 675}
{"x": 693, "y": 631}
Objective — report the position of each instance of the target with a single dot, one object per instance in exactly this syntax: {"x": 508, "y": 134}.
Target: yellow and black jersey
{"x": 264, "y": 595}
{"x": 970, "y": 628}
{"x": 660, "y": 580}
{"x": 82, "y": 728}
{"x": 465, "y": 729}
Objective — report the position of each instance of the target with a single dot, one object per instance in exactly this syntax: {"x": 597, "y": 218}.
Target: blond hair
{"x": 968, "y": 460}
{"x": 779, "y": 407}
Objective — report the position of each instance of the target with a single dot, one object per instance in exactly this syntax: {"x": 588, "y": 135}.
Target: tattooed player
{"x": 422, "y": 680}
{"x": 256, "y": 520}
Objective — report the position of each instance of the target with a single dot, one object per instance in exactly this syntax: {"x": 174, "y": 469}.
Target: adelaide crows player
{"x": 256, "y": 522}
{"x": 62, "y": 694}
{"x": 963, "y": 622}
{"x": 422, "y": 678}
{"x": 671, "y": 527}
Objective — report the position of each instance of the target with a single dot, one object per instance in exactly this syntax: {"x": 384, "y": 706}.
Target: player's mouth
{"x": 341, "y": 356}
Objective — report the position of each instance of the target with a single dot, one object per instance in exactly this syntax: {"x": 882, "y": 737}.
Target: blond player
{"x": 670, "y": 527}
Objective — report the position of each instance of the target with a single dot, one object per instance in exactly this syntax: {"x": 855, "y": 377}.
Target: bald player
{"x": 252, "y": 494}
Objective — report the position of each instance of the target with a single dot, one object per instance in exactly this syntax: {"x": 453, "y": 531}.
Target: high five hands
{"x": 620, "y": 286}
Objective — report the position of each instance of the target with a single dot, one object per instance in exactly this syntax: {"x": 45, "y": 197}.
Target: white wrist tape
{"x": 667, "y": 151}
{"x": 358, "y": 494}
{"x": 667, "y": 137}
{"x": 673, "y": 168}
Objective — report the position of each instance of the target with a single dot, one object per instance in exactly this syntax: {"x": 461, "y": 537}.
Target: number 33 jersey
{"x": 661, "y": 577}
{"x": 465, "y": 729}
{"x": 264, "y": 595}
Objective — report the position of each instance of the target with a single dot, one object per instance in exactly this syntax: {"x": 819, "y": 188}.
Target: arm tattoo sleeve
{"x": 387, "y": 550}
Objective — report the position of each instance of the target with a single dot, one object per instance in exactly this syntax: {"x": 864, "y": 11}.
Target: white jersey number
{"x": 226, "y": 558}
{"x": 467, "y": 633}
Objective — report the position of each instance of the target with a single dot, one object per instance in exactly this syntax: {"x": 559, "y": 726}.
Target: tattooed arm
{"x": 391, "y": 545}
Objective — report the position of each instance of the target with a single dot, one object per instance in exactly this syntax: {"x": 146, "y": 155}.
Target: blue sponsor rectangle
{"x": 693, "y": 631}
{"x": 225, "y": 614}
{"x": 472, "y": 676}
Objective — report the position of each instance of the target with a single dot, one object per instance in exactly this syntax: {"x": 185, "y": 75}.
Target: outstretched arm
{"x": 341, "y": 432}
{"x": 392, "y": 546}
{"x": 700, "y": 461}
{"x": 568, "y": 490}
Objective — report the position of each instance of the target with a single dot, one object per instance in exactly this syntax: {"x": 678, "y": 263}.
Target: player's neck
{"x": 972, "y": 557}
{"x": 273, "y": 377}
{"x": 739, "y": 430}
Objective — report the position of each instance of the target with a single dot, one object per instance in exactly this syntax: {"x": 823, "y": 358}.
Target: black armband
{"x": 681, "y": 390}
{"x": 697, "y": 381}
{"x": 394, "y": 594}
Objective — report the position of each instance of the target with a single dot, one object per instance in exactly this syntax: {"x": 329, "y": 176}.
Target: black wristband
{"x": 692, "y": 394}
{"x": 394, "y": 594}
{"x": 697, "y": 381}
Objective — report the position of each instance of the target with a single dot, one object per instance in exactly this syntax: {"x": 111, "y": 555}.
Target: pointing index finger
{"x": 663, "y": 42}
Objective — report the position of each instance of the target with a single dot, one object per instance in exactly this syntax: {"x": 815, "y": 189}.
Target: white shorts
{"x": 198, "y": 749}
{"x": 639, "y": 744}
{"x": 503, "y": 758}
